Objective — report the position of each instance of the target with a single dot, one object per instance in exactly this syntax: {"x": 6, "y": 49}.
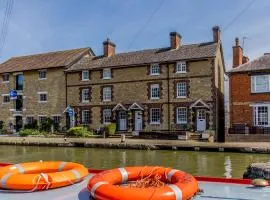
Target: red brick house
{"x": 249, "y": 97}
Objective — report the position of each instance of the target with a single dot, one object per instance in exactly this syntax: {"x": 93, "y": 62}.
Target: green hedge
{"x": 110, "y": 129}
{"x": 79, "y": 132}
{"x": 26, "y": 132}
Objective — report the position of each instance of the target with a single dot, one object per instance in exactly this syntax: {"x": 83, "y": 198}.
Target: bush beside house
{"x": 78, "y": 132}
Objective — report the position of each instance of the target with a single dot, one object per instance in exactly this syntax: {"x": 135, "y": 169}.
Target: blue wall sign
{"x": 13, "y": 94}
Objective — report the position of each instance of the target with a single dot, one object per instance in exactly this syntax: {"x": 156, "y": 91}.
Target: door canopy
{"x": 199, "y": 104}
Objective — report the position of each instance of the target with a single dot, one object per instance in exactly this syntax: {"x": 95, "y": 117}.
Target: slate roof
{"x": 259, "y": 64}
{"x": 185, "y": 52}
{"x": 41, "y": 61}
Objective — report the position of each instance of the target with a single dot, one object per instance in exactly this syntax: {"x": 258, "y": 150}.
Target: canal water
{"x": 218, "y": 164}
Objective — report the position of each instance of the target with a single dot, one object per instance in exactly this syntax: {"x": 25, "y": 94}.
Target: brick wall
{"x": 241, "y": 98}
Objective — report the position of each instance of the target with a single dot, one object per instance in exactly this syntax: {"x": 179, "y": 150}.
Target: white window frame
{"x": 39, "y": 95}
{"x": 152, "y": 87}
{"x": 85, "y": 100}
{"x": 181, "y": 67}
{"x": 254, "y": 84}
{"x": 179, "y": 115}
{"x": 5, "y": 95}
{"x": 8, "y": 78}
{"x": 40, "y": 71}
{"x": 83, "y": 116}
{"x": 155, "y": 69}
{"x": 151, "y": 116}
{"x": 87, "y": 77}
{"x": 179, "y": 89}
{"x": 107, "y": 93}
{"x": 107, "y": 114}
{"x": 106, "y": 74}
{"x": 256, "y": 115}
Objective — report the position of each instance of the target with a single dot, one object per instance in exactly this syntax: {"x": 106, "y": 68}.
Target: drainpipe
{"x": 168, "y": 97}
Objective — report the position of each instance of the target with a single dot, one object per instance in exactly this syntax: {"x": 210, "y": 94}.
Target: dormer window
{"x": 107, "y": 74}
{"x": 155, "y": 69}
{"x": 181, "y": 67}
{"x": 85, "y": 75}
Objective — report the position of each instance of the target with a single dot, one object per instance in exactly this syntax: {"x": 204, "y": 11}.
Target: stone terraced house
{"x": 180, "y": 87}
{"x": 40, "y": 83}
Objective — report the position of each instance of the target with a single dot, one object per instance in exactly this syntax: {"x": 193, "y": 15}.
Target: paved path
{"x": 259, "y": 147}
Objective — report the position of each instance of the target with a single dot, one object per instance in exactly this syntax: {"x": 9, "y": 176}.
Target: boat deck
{"x": 211, "y": 191}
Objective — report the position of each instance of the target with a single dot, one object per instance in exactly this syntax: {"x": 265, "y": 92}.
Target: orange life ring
{"x": 179, "y": 185}
{"x": 41, "y": 175}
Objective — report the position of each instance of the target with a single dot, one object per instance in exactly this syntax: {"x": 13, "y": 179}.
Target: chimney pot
{"x": 108, "y": 48}
{"x": 237, "y": 43}
{"x": 216, "y": 34}
{"x": 175, "y": 40}
{"x": 237, "y": 54}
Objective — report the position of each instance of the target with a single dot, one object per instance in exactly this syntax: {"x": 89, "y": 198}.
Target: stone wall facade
{"x": 130, "y": 84}
{"x": 55, "y": 87}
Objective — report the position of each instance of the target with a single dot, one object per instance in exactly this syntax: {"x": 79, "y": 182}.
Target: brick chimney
{"x": 216, "y": 34}
{"x": 108, "y": 48}
{"x": 175, "y": 39}
{"x": 245, "y": 59}
{"x": 237, "y": 53}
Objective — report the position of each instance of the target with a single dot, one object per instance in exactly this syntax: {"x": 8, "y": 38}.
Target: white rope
{"x": 45, "y": 177}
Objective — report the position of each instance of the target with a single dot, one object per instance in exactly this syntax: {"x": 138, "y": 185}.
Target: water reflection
{"x": 218, "y": 164}
{"x": 228, "y": 167}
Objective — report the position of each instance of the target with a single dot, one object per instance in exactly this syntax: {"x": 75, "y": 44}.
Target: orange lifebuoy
{"x": 179, "y": 185}
{"x": 41, "y": 175}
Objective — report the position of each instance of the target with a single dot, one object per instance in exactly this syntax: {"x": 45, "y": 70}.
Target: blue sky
{"x": 40, "y": 26}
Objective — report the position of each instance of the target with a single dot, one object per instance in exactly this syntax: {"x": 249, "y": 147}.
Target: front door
{"x": 19, "y": 123}
{"x": 201, "y": 120}
{"x": 138, "y": 121}
{"x": 122, "y": 116}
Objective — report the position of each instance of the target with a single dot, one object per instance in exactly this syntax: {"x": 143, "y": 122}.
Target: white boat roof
{"x": 211, "y": 191}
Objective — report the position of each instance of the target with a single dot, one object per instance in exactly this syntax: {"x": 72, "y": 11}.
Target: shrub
{"x": 33, "y": 125}
{"x": 46, "y": 125}
{"x": 110, "y": 129}
{"x": 79, "y": 132}
{"x": 26, "y": 132}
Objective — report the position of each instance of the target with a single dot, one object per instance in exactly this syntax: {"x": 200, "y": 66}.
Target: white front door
{"x": 138, "y": 121}
{"x": 201, "y": 120}
{"x": 122, "y": 116}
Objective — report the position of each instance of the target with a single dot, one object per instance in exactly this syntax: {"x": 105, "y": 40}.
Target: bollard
{"x": 123, "y": 137}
